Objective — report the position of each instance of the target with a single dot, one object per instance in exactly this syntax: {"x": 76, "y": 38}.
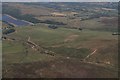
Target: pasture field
{"x": 70, "y": 47}
{"x": 83, "y": 43}
{"x": 103, "y": 23}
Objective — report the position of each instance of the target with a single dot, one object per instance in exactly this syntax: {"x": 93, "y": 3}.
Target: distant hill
{"x": 76, "y": 5}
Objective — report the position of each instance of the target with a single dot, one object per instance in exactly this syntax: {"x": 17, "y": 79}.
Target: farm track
{"x": 37, "y": 47}
{"x": 90, "y": 55}
{"x": 102, "y": 65}
{"x": 33, "y": 45}
{"x": 95, "y": 63}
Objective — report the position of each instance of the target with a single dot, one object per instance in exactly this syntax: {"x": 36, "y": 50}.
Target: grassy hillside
{"x": 101, "y": 24}
{"x": 69, "y": 46}
{"x": 38, "y": 51}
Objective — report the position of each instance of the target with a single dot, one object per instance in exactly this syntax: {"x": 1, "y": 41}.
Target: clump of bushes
{"x": 8, "y": 31}
{"x": 53, "y": 26}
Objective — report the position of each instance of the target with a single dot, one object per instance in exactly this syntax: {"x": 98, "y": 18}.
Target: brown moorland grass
{"x": 60, "y": 68}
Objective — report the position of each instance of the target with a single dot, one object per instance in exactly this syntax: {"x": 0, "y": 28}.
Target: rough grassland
{"x": 18, "y": 57}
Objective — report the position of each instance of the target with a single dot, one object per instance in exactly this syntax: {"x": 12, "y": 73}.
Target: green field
{"x": 81, "y": 46}
{"x": 67, "y": 44}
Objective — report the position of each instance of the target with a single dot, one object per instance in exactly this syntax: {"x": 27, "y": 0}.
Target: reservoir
{"x": 13, "y": 21}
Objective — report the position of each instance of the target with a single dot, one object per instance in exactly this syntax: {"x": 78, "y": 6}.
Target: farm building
{"x": 56, "y": 14}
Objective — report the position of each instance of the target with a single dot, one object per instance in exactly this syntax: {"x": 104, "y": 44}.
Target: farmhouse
{"x": 56, "y": 14}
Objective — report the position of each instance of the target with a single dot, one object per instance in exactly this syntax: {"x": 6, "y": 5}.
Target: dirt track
{"x": 90, "y": 54}
{"x": 39, "y": 48}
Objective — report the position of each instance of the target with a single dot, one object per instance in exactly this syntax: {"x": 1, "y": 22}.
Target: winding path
{"x": 37, "y": 47}
{"x": 90, "y": 54}
{"x": 32, "y": 43}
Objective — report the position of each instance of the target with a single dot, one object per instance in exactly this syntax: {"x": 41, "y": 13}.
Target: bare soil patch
{"x": 71, "y": 38}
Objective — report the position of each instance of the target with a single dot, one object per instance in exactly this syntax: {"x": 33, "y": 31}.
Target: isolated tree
{"x": 80, "y": 29}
